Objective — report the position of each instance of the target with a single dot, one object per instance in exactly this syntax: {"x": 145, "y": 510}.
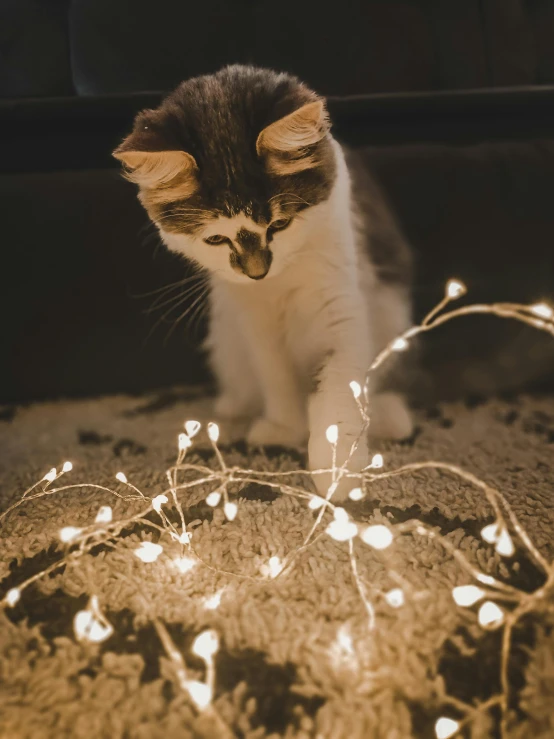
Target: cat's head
{"x": 229, "y": 165}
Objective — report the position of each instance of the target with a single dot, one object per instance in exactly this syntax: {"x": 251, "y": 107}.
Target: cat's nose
{"x": 257, "y": 265}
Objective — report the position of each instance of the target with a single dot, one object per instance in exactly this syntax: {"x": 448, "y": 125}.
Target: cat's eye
{"x": 216, "y": 239}
{"x": 280, "y": 224}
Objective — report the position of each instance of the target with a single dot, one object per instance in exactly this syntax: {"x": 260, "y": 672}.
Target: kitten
{"x": 309, "y": 273}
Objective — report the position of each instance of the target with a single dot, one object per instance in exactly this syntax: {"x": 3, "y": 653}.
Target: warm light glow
{"x": 230, "y": 510}
{"x": 206, "y": 644}
{"x": 542, "y": 310}
{"x": 104, "y": 515}
{"x": 158, "y": 502}
{"x": 332, "y": 433}
{"x": 356, "y": 494}
{"x": 504, "y": 544}
{"x": 184, "y": 442}
{"x": 356, "y": 389}
{"x": 316, "y": 502}
{"x": 192, "y": 428}
{"x": 342, "y": 528}
{"x": 377, "y": 461}
{"x": 490, "y": 533}
{"x": 213, "y": 499}
{"x": 67, "y": 467}
{"x": 214, "y": 601}
{"x": 395, "y": 598}
{"x": 455, "y": 289}
{"x": 213, "y": 431}
{"x": 446, "y": 727}
{"x": 467, "y": 595}
{"x": 485, "y": 579}
{"x": 344, "y": 640}
{"x": 69, "y": 533}
{"x": 490, "y": 615}
{"x": 399, "y": 345}
{"x": 121, "y": 477}
{"x": 200, "y": 693}
{"x": 378, "y": 537}
{"x": 90, "y": 625}
{"x": 184, "y": 564}
{"x": 147, "y": 551}
{"x": 12, "y": 597}
{"x": 184, "y": 538}
{"x": 50, "y": 476}
{"x": 274, "y": 566}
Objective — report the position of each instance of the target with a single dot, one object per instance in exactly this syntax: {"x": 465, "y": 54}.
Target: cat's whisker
{"x": 160, "y": 320}
{"x": 176, "y": 299}
{"x": 186, "y": 312}
{"x": 171, "y": 286}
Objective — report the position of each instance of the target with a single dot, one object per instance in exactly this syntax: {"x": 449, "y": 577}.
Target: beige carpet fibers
{"x": 296, "y": 658}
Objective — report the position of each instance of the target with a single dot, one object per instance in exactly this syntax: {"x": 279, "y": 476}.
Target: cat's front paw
{"x": 264, "y": 432}
{"x": 390, "y": 417}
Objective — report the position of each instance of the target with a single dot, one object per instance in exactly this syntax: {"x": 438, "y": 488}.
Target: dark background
{"x": 450, "y": 101}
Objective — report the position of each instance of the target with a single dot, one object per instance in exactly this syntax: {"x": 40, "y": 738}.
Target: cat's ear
{"x": 286, "y": 143}
{"x": 167, "y": 174}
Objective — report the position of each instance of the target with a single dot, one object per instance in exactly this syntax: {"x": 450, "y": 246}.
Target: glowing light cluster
{"x": 91, "y": 625}
{"x": 148, "y": 552}
{"x": 342, "y": 528}
{"x": 378, "y": 536}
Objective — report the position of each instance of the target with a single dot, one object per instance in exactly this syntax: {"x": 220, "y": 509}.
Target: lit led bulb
{"x": 213, "y": 432}
{"x": 121, "y": 476}
{"x": 91, "y": 625}
{"x": 490, "y": 616}
{"x": 206, "y": 644}
{"x": 542, "y": 310}
{"x": 184, "y": 442}
{"x": 341, "y": 528}
{"x": 356, "y": 389}
{"x": 399, "y": 345}
{"x": 446, "y": 727}
{"x": 455, "y": 289}
{"x": 184, "y": 564}
{"x": 104, "y": 515}
{"x": 12, "y": 597}
{"x": 213, "y": 499}
{"x": 467, "y": 595}
{"x": 192, "y": 428}
{"x": 490, "y": 533}
{"x": 395, "y": 598}
{"x": 275, "y": 566}
{"x": 67, "y": 467}
{"x": 158, "y": 501}
{"x": 230, "y": 510}
{"x": 51, "y": 475}
{"x": 148, "y": 552}
{"x": 69, "y": 534}
{"x": 498, "y": 535}
{"x": 504, "y": 544}
{"x": 378, "y": 536}
{"x": 213, "y": 602}
{"x": 184, "y": 538}
{"x": 356, "y": 494}
{"x": 316, "y": 502}
{"x": 332, "y": 433}
{"x": 200, "y": 693}
{"x": 377, "y": 461}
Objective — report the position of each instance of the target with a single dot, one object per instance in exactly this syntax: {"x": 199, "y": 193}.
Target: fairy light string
{"x": 498, "y": 605}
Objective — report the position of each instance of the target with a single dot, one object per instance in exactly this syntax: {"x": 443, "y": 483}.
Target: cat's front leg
{"x": 334, "y": 404}
{"x": 240, "y": 395}
{"x": 283, "y": 421}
